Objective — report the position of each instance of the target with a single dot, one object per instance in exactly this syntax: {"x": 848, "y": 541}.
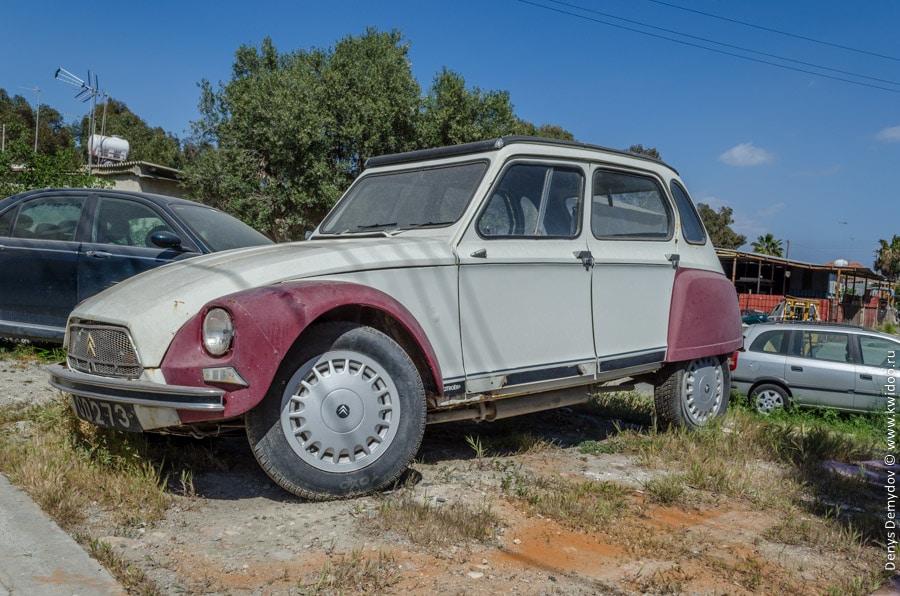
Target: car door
{"x": 632, "y": 243}
{"x": 524, "y": 282}
{"x": 878, "y": 358}
{"x": 820, "y": 369}
{"x": 118, "y": 243}
{"x": 38, "y": 256}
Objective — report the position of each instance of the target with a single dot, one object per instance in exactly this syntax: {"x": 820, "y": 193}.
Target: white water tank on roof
{"x": 107, "y": 149}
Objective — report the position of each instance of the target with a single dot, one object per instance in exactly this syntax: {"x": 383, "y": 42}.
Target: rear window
{"x": 691, "y": 227}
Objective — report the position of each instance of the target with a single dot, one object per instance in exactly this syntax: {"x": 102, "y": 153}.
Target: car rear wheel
{"x": 768, "y": 398}
{"x": 690, "y": 394}
{"x": 345, "y": 415}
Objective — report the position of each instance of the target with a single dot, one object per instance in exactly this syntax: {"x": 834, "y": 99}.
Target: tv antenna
{"x": 37, "y": 113}
{"x": 88, "y": 91}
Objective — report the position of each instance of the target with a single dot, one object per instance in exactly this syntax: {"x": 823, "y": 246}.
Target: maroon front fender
{"x": 267, "y": 322}
{"x": 704, "y": 318}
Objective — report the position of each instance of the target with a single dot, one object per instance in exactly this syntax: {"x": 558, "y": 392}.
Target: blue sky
{"x": 808, "y": 158}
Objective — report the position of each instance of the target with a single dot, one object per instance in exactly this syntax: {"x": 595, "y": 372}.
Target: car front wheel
{"x": 345, "y": 415}
{"x": 690, "y": 394}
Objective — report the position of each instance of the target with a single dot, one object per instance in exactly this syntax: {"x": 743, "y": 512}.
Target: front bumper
{"x": 139, "y": 393}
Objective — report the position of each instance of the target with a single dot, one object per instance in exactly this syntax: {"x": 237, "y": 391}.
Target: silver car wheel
{"x": 340, "y": 411}
{"x": 768, "y": 398}
{"x": 703, "y": 390}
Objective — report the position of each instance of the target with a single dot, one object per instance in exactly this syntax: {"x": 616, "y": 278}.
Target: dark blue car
{"x": 60, "y": 246}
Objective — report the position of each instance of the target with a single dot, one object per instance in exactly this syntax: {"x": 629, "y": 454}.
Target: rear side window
{"x": 830, "y": 346}
{"x": 50, "y": 218}
{"x": 629, "y": 206}
{"x": 691, "y": 226}
{"x": 771, "y": 342}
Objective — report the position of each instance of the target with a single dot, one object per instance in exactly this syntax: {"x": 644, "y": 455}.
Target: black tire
{"x": 690, "y": 394}
{"x": 345, "y": 414}
{"x": 768, "y": 398}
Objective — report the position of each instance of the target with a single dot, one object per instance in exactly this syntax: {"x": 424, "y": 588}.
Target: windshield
{"x": 218, "y": 230}
{"x": 425, "y": 197}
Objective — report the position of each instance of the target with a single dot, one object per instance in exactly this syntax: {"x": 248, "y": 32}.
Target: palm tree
{"x": 887, "y": 258}
{"x": 768, "y": 245}
{"x": 887, "y": 263}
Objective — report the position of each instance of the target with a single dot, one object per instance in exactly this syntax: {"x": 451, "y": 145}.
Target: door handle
{"x": 98, "y": 254}
{"x": 674, "y": 258}
{"x": 797, "y": 368}
{"x": 866, "y": 377}
{"x": 586, "y": 258}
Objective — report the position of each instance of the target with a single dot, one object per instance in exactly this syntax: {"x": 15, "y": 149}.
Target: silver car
{"x": 816, "y": 364}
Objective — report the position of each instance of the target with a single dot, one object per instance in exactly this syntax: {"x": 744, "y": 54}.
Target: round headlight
{"x": 218, "y": 331}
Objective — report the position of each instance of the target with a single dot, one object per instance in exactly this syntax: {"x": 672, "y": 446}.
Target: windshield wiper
{"x": 428, "y": 224}
{"x": 377, "y": 225}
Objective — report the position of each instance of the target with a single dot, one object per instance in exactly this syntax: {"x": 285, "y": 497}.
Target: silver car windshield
{"x": 415, "y": 198}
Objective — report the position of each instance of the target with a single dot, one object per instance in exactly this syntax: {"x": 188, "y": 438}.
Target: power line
{"x": 770, "y": 30}
{"x": 709, "y": 49}
{"x": 727, "y": 45}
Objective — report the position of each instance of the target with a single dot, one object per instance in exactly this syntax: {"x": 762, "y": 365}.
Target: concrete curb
{"x": 37, "y": 557}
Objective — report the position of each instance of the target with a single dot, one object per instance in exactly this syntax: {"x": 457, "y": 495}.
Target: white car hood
{"x": 155, "y": 304}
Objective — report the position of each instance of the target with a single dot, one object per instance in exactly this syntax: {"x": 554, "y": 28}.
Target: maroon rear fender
{"x": 704, "y": 318}
{"x": 267, "y": 322}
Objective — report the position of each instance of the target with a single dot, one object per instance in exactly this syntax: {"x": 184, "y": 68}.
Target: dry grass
{"x": 433, "y": 524}
{"x": 354, "y": 574}
{"x": 584, "y": 504}
{"x": 68, "y": 467}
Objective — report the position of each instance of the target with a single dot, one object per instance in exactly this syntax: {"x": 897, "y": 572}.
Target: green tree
{"x": 453, "y": 114}
{"x": 768, "y": 245}
{"x": 22, "y": 169}
{"x": 18, "y": 116}
{"x": 718, "y": 224}
{"x": 648, "y": 151}
{"x": 456, "y": 114}
{"x": 546, "y": 131}
{"x": 280, "y": 141}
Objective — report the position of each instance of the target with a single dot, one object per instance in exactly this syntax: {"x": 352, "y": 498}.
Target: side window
{"x": 534, "y": 201}
{"x": 625, "y": 206}
{"x": 127, "y": 223}
{"x": 877, "y": 351}
{"x": 770, "y": 342}
{"x": 49, "y": 218}
{"x": 691, "y": 226}
{"x": 833, "y": 347}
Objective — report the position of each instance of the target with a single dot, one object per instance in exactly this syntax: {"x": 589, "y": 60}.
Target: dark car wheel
{"x": 768, "y": 398}
{"x": 345, "y": 415}
{"x": 690, "y": 394}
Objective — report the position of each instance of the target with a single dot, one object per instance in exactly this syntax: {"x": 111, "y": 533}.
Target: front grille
{"x": 102, "y": 350}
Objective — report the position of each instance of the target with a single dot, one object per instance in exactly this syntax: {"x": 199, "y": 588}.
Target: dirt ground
{"x": 241, "y": 534}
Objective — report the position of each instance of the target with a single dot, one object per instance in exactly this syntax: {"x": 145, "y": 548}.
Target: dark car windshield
{"x": 218, "y": 230}
{"x": 422, "y": 197}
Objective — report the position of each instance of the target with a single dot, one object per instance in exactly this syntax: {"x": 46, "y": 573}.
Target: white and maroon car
{"x": 471, "y": 282}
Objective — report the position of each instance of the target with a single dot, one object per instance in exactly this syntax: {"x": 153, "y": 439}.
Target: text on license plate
{"x": 106, "y": 414}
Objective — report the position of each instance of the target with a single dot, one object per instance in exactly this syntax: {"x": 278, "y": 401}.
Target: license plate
{"x": 106, "y": 414}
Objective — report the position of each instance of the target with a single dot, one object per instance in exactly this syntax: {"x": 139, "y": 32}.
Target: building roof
{"x": 857, "y": 269}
